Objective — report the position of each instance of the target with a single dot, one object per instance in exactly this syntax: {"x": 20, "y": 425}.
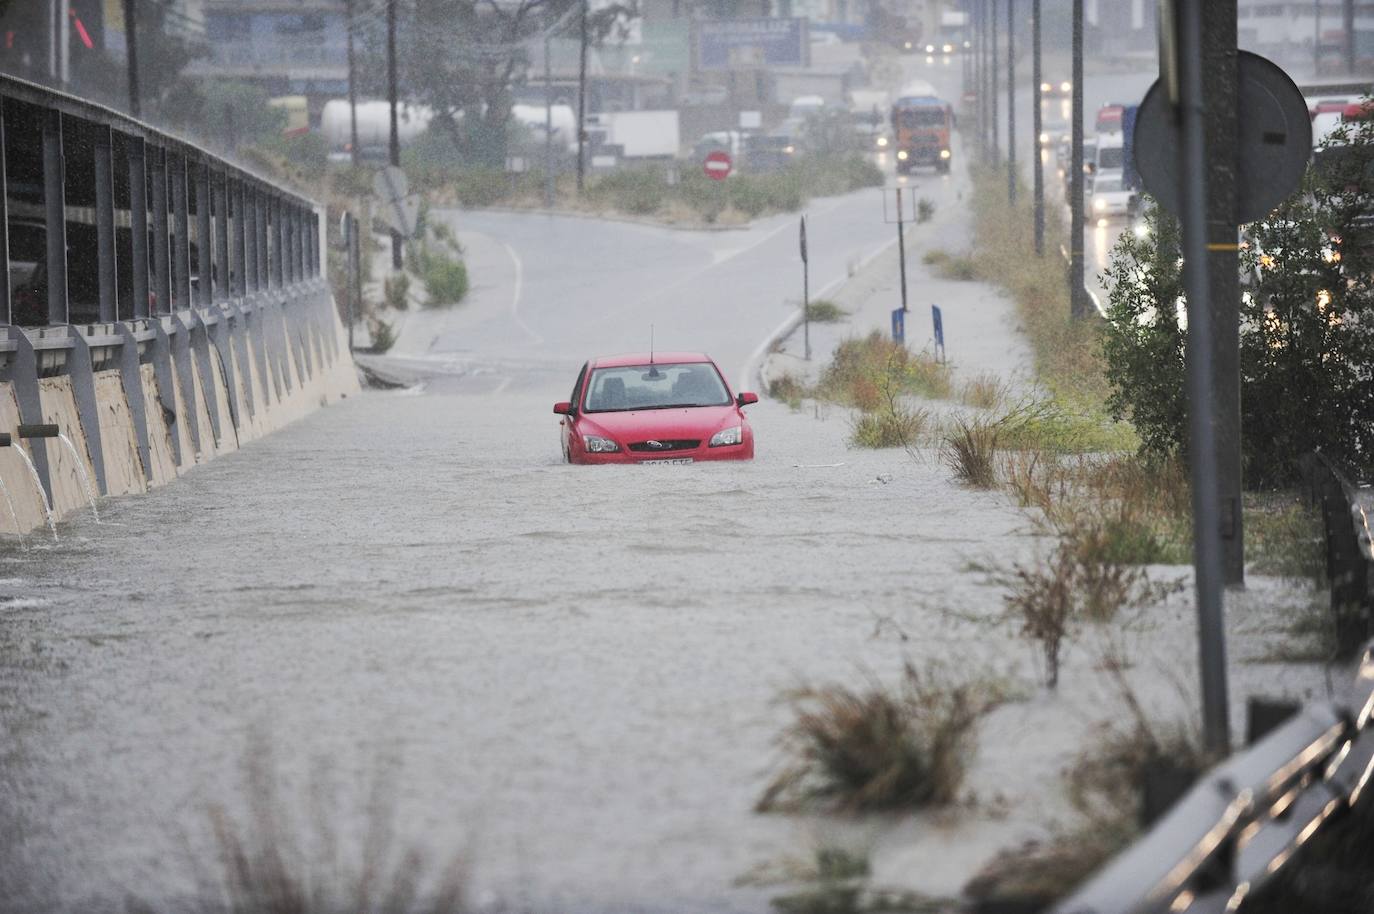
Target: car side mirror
{"x": 745, "y": 398}
{"x": 563, "y": 408}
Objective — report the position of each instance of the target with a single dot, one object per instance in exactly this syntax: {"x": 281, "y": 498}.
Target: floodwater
{"x": 574, "y": 671}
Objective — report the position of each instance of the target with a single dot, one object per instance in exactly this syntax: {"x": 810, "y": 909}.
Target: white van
{"x": 1110, "y": 153}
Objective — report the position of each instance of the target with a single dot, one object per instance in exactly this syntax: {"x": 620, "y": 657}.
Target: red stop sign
{"x": 717, "y": 165}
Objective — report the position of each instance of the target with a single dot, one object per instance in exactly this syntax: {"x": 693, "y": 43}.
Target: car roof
{"x": 643, "y": 358}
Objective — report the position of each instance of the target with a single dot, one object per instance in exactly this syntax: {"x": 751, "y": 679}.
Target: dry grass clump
{"x": 788, "y": 388}
{"x": 984, "y": 391}
{"x": 268, "y": 867}
{"x": 969, "y": 449}
{"x": 962, "y": 267}
{"x": 825, "y": 311}
{"x": 880, "y": 747}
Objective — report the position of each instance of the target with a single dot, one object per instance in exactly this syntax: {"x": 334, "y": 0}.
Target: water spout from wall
{"x": 85, "y": 476}
{"x": 38, "y": 485}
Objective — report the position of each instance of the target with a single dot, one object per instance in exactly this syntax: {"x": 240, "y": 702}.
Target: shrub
{"x": 863, "y": 370}
{"x": 925, "y": 208}
{"x": 952, "y": 266}
{"x": 891, "y": 425}
{"x": 383, "y": 336}
{"x": 396, "y": 291}
{"x": 984, "y": 391}
{"x": 1285, "y": 537}
{"x": 970, "y": 451}
{"x": 877, "y": 747}
{"x": 787, "y": 388}
{"x": 824, "y": 311}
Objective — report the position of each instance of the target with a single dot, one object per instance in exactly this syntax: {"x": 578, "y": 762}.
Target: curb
{"x": 626, "y": 220}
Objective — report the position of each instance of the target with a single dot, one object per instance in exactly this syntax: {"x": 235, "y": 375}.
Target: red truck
{"x": 922, "y": 125}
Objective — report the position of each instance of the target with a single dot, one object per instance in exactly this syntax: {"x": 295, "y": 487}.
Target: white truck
{"x": 374, "y": 126}
{"x": 640, "y": 134}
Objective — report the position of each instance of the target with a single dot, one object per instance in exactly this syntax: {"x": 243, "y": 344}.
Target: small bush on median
{"x": 891, "y": 425}
{"x": 984, "y": 391}
{"x": 824, "y": 311}
{"x": 396, "y": 291}
{"x": 788, "y": 388}
{"x": 879, "y": 747}
{"x": 863, "y": 370}
{"x": 970, "y": 451}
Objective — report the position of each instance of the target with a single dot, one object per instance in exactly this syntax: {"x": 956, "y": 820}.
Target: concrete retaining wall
{"x": 301, "y": 341}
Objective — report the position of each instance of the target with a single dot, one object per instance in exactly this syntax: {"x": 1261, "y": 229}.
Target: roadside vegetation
{"x": 878, "y": 746}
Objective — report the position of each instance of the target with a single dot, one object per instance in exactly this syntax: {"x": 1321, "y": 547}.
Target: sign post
{"x": 806, "y": 291}
{"x": 938, "y": 320}
{"x": 717, "y": 165}
{"x": 900, "y": 219}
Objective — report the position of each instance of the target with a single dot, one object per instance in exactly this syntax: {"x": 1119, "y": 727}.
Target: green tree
{"x": 1307, "y": 324}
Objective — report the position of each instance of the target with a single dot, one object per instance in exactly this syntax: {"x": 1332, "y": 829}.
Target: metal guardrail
{"x": 187, "y": 252}
{"x": 1249, "y": 816}
{"x": 1246, "y": 818}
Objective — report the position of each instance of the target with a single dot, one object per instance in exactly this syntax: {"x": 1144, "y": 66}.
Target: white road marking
{"x": 515, "y": 296}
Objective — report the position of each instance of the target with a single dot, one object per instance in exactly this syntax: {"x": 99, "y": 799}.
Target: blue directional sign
{"x": 898, "y": 325}
{"x": 939, "y": 322}
{"x": 1130, "y": 178}
{"x": 738, "y": 44}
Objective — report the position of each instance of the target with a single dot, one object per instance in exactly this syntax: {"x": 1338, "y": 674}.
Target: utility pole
{"x": 548, "y": 114}
{"x": 980, "y": 58}
{"x": 1348, "y": 23}
{"x": 1316, "y": 37}
{"x": 1037, "y": 125}
{"x": 131, "y": 53}
{"x": 1078, "y": 298}
{"x": 993, "y": 85}
{"x": 582, "y": 104}
{"x": 1205, "y": 36}
{"x": 352, "y": 99}
{"x": 391, "y": 92}
{"x": 1011, "y": 103}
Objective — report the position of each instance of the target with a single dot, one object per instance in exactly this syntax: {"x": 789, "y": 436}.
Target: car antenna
{"x": 651, "y": 345}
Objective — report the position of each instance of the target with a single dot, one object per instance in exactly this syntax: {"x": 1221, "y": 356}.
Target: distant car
{"x": 1110, "y": 198}
{"x": 1062, "y": 89}
{"x": 665, "y": 407}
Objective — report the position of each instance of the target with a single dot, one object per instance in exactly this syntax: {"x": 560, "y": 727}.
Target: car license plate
{"x": 672, "y": 460}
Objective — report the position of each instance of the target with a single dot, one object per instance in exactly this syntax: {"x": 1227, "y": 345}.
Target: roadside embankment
{"x": 139, "y": 403}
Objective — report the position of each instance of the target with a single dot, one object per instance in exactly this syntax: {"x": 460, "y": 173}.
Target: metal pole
{"x": 1078, "y": 299}
{"x": 582, "y": 103}
{"x": 6, "y": 315}
{"x": 204, "y": 243}
{"x": 104, "y": 227}
{"x": 1011, "y": 103}
{"x": 181, "y": 235}
{"x": 161, "y": 242}
{"x": 1195, "y": 177}
{"x": 1316, "y": 37}
{"x": 239, "y": 255}
{"x": 548, "y": 121}
{"x": 352, "y": 88}
{"x": 219, "y": 199}
{"x": 391, "y": 91}
{"x": 55, "y": 211}
{"x": 138, "y": 225}
{"x": 1348, "y": 23}
{"x": 351, "y": 249}
{"x": 131, "y": 53}
{"x": 901, "y": 246}
{"x": 357, "y": 306}
{"x": 993, "y": 86}
{"x": 64, "y": 43}
{"x": 1037, "y": 126}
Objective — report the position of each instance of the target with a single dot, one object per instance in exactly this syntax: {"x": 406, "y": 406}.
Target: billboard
{"x": 741, "y": 44}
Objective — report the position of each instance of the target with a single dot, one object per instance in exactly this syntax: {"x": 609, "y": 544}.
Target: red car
{"x": 664, "y": 407}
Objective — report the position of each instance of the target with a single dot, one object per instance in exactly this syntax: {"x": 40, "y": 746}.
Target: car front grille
{"x": 664, "y": 445}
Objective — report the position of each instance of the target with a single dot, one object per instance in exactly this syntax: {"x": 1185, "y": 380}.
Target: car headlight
{"x": 930, "y": 49}
{"x": 1046, "y": 87}
{"x": 882, "y": 142}
{"x": 944, "y": 153}
{"x": 908, "y": 46}
{"x": 1044, "y": 138}
{"x": 1066, "y": 86}
{"x": 1142, "y": 231}
{"x": 732, "y": 435}
{"x": 948, "y": 49}
{"x": 595, "y": 444}
{"x": 1099, "y": 204}
{"x": 901, "y": 154}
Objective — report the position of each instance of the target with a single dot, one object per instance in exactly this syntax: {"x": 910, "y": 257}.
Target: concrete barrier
{"x": 316, "y": 371}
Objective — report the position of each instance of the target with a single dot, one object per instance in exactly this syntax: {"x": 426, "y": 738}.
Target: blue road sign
{"x": 898, "y": 325}
{"x": 728, "y": 44}
{"x": 939, "y": 322}
{"x": 1129, "y": 177}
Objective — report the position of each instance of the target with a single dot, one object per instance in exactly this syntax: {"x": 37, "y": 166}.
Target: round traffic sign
{"x": 717, "y": 165}
{"x": 1274, "y": 140}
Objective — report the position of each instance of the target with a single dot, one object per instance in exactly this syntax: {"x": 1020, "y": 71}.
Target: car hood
{"x": 639, "y": 425}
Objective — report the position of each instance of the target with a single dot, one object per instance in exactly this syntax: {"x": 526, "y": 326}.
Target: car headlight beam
{"x": 595, "y": 444}
{"x": 901, "y": 154}
{"x": 727, "y": 436}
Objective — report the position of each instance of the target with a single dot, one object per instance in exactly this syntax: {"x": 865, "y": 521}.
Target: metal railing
{"x": 122, "y": 245}
{"x": 1247, "y": 818}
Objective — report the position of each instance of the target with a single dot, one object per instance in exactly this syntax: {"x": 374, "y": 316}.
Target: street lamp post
{"x": 1037, "y": 126}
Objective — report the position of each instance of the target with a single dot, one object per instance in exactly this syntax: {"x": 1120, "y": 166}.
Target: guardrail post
{"x": 254, "y": 272}
{"x": 219, "y": 207}
{"x": 238, "y": 288}
{"x": 23, "y": 378}
{"x": 204, "y": 243}
{"x": 162, "y": 260}
{"x": 82, "y": 375}
{"x": 221, "y": 333}
{"x": 263, "y": 321}
{"x": 104, "y": 228}
{"x": 200, "y": 346}
{"x": 5, "y": 313}
{"x": 181, "y": 235}
{"x": 138, "y": 227}
{"x": 55, "y": 210}
{"x": 132, "y": 376}
{"x": 163, "y": 374}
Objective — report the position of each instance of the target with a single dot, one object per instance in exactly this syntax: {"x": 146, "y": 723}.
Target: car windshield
{"x": 659, "y": 386}
{"x": 1107, "y": 186}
